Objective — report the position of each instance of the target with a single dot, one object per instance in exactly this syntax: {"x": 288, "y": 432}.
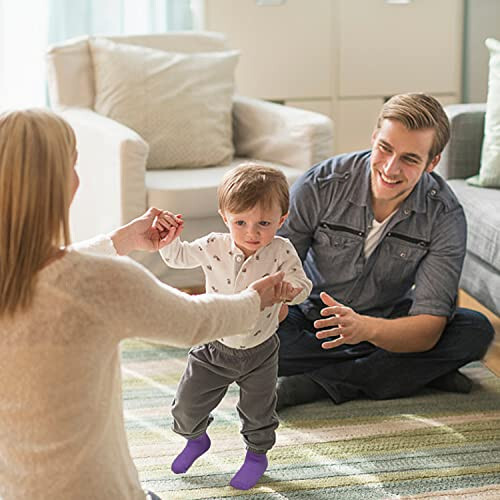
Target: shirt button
{"x": 433, "y": 192}
{"x": 402, "y": 254}
{"x": 406, "y": 211}
{"x": 239, "y": 258}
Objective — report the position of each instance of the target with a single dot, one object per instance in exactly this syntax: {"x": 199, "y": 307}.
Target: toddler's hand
{"x": 283, "y": 313}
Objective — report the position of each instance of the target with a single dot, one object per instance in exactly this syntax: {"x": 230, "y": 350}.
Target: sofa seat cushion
{"x": 193, "y": 192}
{"x": 482, "y": 209}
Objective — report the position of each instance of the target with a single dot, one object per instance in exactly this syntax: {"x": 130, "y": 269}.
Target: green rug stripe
{"x": 363, "y": 465}
{"x": 468, "y": 484}
{"x": 203, "y": 487}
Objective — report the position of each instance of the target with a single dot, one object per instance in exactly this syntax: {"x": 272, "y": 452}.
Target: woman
{"x": 63, "y": 314}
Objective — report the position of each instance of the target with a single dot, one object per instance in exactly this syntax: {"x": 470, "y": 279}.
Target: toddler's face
{"x": 254, "y": 228}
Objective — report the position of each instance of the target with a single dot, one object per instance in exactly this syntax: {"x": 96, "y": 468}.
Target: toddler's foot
{"x": 251, "y": 471}
{"x": 193, "y": 450}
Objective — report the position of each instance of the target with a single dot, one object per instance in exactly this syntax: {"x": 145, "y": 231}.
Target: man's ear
{"x": 432, "y": 165}
{"x": 224, "y": 218}
{"x": 282, "y": 220}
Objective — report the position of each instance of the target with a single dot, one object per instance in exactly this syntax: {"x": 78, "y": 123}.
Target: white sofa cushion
{"x": 193, "y": 193}
{"x": 180, "y": 104}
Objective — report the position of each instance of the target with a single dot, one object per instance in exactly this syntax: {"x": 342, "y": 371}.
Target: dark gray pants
{"x": 364, "y": 370}
{"x": 210, "y": 369}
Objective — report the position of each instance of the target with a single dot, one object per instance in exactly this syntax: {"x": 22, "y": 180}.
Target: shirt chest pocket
{"x": 401, "y": 256}
{"x": 336, "y": 249}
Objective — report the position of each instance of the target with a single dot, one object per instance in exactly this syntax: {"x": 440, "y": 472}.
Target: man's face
{"x": 399, "y": 158}
{"x": 254, "y": 228}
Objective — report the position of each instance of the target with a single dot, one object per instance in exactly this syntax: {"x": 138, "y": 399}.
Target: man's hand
{"x": 352, "y": 328}
{"x": 142, "y": 234}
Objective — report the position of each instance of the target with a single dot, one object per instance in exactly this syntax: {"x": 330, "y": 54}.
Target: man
{"x": 384, "y": 237}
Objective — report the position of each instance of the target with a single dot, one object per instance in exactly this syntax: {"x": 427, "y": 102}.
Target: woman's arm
{"x": 139, "y": 305}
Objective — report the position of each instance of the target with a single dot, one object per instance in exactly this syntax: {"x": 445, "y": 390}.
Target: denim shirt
{"x": 415, "y": 266}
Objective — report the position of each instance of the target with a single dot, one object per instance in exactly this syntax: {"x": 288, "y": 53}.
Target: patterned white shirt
{"x": 227, "y": 271}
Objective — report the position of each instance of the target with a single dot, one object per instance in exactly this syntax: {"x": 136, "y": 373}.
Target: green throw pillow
{"x": 489, "y": 172}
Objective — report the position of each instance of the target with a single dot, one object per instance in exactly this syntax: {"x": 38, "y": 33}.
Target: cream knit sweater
{"x": 62, "y": 433}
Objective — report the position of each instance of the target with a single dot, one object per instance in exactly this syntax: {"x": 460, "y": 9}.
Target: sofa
{"x": 460, "y": 160}
{"x": 117, "y": 183}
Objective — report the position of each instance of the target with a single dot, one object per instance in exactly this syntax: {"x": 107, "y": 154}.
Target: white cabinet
{"x": 343, "y": 58}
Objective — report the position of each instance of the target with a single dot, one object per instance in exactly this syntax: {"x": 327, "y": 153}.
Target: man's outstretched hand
{"x": 349, "y": 326}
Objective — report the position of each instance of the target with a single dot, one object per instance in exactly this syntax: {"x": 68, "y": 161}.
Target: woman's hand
{"x": 287, "y": 292}
{"x": 146, "y": 232}
{"x": 268, "y": 288}
{"x": 169, "y": 227}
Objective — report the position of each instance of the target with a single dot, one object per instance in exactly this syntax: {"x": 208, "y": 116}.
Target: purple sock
{"x": 193, "y": 450}
{"x": 250, "y": 472}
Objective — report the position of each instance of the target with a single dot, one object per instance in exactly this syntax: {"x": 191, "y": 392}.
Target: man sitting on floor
{"x": 385, "y": 238}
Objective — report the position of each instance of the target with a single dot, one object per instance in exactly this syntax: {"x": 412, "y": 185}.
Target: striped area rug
{"x": 434, "y": 445}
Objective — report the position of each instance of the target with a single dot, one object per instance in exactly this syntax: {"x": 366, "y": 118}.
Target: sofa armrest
{"x": 462, "y": 155}
{"x": 280, "y": 134}
{"x": 111, "y": 166}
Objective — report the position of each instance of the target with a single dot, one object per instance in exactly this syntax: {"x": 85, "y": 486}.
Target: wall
{"x": 482, "y": 20}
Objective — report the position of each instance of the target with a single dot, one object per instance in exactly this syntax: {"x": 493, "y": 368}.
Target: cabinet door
{"x": 354, "y": 122}
{"x": 285, "y": 48}
{"x": 323, "y": 106}
{"x": 388, "y": 48}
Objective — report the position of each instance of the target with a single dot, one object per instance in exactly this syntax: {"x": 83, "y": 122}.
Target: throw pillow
{"x": 489, "y": 172}
{"x": 180, "y": 104}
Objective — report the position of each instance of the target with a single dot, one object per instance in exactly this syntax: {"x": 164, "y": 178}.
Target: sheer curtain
{"x": 23, "y": 40}
{"x": 27, "y": 27}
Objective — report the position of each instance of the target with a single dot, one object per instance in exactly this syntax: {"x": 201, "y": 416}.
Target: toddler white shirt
{"x": 227, "y": 271}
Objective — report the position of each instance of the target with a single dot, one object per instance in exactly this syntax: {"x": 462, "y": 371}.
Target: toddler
{"x": 253, "y": 202}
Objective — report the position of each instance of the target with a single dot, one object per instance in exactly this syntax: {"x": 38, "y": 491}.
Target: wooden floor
{"x": 492, "y": 358}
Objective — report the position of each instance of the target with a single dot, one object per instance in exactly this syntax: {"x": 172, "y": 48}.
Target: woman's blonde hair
{"x": 37, "y": 151}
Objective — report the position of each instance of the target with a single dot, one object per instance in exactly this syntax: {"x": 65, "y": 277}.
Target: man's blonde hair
{"x": 249, "y": 185}
{"x": 37, "y": 149}
{"x": 417, "y": 111}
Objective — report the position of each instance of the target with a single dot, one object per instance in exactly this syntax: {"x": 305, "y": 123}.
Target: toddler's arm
{"x": 296, "y": 286}
{"x": 179, "y": 254}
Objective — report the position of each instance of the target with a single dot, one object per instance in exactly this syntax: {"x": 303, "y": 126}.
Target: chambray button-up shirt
{"x": 419, "y": 258}
{"x": 227, "y": 271}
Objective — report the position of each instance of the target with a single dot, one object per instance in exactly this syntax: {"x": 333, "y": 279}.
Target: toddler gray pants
{"x": 210, "y": 369}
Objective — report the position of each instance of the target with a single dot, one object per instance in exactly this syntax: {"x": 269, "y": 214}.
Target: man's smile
{"x": 388, "y": 180}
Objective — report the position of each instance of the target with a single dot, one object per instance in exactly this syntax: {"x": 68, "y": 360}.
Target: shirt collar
{"x": 360, "y": 193}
